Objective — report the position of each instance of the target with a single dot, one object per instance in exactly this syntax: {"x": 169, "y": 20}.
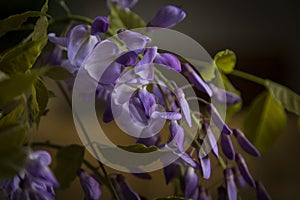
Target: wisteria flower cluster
{"x": 113, "y": 55}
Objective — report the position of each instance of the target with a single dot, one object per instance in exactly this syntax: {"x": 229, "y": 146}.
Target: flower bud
{"x": 190, "y": 182}
{"x": 244, "y": 169}
{"x": 245, "y": 144}
{"x": 227, "y": 146}
{"x": 100, "y": 25}
{"x": 261, "y": 192}
{"x": 90, "y": 186}
{"x": 168, "y": 60}
{"x": 230, "y": 184}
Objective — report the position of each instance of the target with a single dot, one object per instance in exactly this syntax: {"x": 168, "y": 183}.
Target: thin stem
{"x": 66, "y": 8}
{"x": 248, "y": 77}
{"x": 67, "y": 98}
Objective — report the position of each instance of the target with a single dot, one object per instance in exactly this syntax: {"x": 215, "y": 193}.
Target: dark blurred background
{"x": 265, "y": 37}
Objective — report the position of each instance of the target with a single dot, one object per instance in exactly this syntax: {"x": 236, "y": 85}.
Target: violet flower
{"x": 185, "y": 108}
{"x": 224, "y": 97}
{"x": 246, "y": 145}
{"x": 230, "y": 184}
{"x": 211, "y": 139}
{"x": 190, "y": 182}
{"x": 100, "y": 25}
{"x": 36, "y": 182}
{"x": 169, "y": 61}
{"x": 167, "y": 17}
{"x": 177, "y": 133}
{"x": 90, "y": 186}
{"x": 241, "y": 163}
{"x": 205, "y": 165}
{"x": 227, "y": 146}
{"x": 218, "y": 121}
{"x": 261, "y": 192}
{"x": 123, "y": 189}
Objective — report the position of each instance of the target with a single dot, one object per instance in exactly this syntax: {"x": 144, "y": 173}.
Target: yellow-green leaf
{"x": 58, "y": 73}
{"x": 225, "y": 61}
{"x": 12, "y": 116}
{"x": 40, "y": 29}
{"x": 15, "y": 22}
{"x": 265, "y": 121}
{"x": 123, "y": 19}
{"x": 40, "y": 99}
{"x": 22, "y": 57}
{"x": 289, "y": 99}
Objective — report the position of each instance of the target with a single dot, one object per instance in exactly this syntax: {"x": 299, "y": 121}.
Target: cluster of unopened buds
{"x": 133, "y": 78}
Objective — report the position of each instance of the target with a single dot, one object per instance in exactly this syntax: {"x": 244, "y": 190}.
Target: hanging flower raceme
{"x": 36, "y": 182}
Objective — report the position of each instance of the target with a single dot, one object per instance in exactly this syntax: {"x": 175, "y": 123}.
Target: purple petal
{"x": 230, "y": 184}
{"x": 196, "y": 80}
{"x": 190, "y": 182}
{"x": 166, "y": 115}
{"x": 111, "y": 74}
{"x": 134, "y": 41}
{"x": 168, "y": 60}
{"x": 80, "y": 44}
{"x": 211, "y": 139}
{"x": 128, "y": 59}
{"x": 145, "y": 68}
{"x": 261, "y": 192}
{"x": 227, "y": 146}
{"x": 172, "y": 171}
{"x": 246, "y": 145}
{"x": 167, "y": 17}
{"x": 137, "y": 111}
{"x": 147, "y": 99}
{"x": 177, "y": 133}
{"x": 125, "y": 3}
{"x": 244, "y": 169}
{"x": 205, "y": 165}
{"x": 150, "y": 141}
{"x": 184, "y": 105}
{"x": 218, "y": 121}
{"x": 90, "y": 186}
{"x": 239, "y": 179}
{"x": 188, "y": 159}
{"x": 126, "y": 191}
{"x": 62, "y": 41}
{"x": 223, "y": 96}
{"x": 100, "y": 25}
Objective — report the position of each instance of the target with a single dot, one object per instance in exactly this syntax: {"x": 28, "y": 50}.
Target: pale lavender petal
{"x": 205, "y": 165}
{"x": 166, "y": 115}
{"x": 100, "y": 25}
{"x": 246, "y": 145}
{"x": 227, "y": 146}
{"x": 218, "y": 121}
{"x": 144, "y": 68}
{"x": 128, "y": 59}
{"x": 62, "y": 41}
{"x": 167, "y": 17}
{"x": 177, "y": 133}
{"x": 195, "y": 79}
{"x": 261, "y": 192}
{"x": 241, "y": 163}
{"x": 185, "y": 108}
{"x": 90, "y": 186}
{"x": 190, "y": 182}
{"x": 168, "y": 60}
{"x": 134, "y": 41}
{"x": 188, "y": 159}
{"x": 223, "y": 96}
{"x": 230, "y": 184}
{"x": 211, "y": 139}
{"x": 80, "y": 44}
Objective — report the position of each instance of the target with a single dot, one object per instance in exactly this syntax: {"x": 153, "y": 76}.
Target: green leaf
{"x": 58, "y": 73}
{"x": 289, "y": 99}
{"x": 40, "y": 99}
{"x": 69, "y": 160}
{"x": 12, "y": 136}
{"x": 22, "y": 57}
{"x": 40, "y": 30}
{"x": 225, "y": 61}
{"x": 15, "y": 22}
{"x": 139, "y": 148}
{"x": 123, "y": 19}
{"x": 12, "y": 116}
{"x": 265, "y": 121}
{"x": 171, "y": 198}
{"x": 12, "y": 161}
{"x": 16, "y": 85}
